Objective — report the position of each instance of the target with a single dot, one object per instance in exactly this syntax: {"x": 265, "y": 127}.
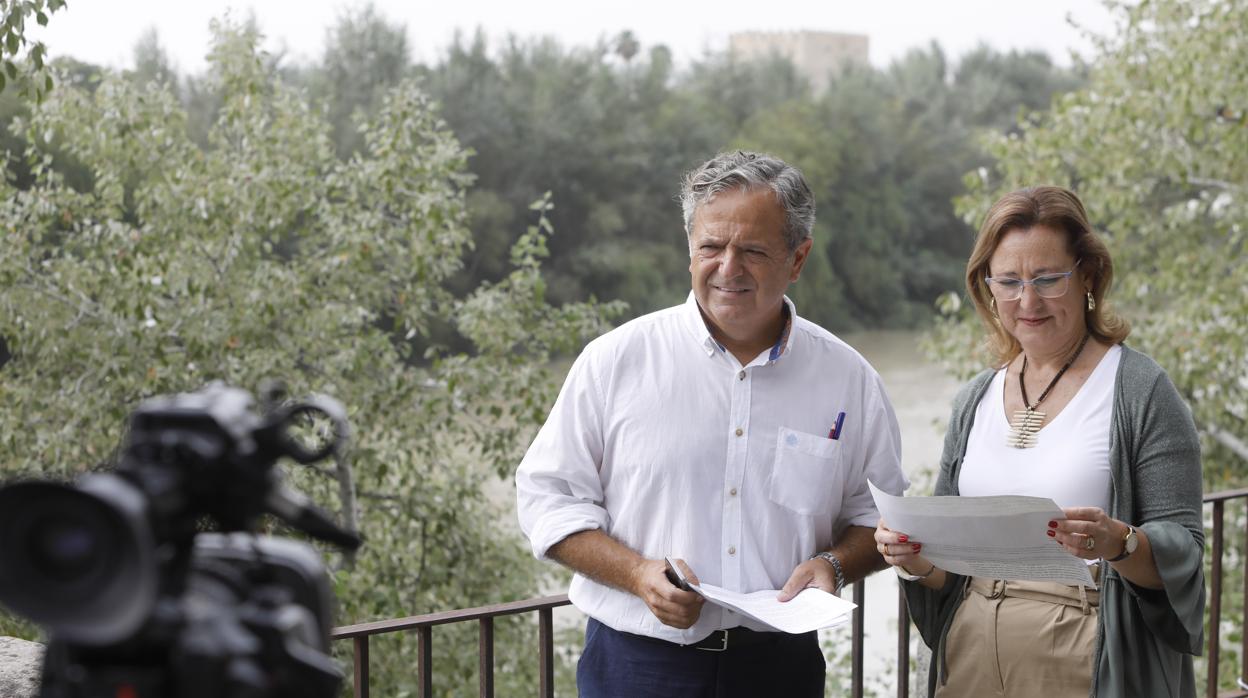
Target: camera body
{"x": 138, "y": 600}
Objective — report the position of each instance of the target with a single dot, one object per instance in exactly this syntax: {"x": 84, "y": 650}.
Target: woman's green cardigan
{"x": 1145, "y": 638}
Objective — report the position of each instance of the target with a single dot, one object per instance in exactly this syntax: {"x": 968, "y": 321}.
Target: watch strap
{"x": 1127, "y": 547}
{"x": 906, "y": 576}
{"x": 837, "y": 570}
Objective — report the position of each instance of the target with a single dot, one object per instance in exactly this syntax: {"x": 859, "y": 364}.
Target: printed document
{"x": 1000, "y": 537}
{"x": 811, "y": 609}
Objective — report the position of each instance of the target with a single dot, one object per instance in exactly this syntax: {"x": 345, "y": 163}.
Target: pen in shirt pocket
{"x": 835, "y": 432}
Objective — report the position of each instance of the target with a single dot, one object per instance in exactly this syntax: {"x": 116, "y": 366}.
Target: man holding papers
{"x": 728, "y": 433}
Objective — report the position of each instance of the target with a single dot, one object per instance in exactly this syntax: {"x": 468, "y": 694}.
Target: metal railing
{"x": 1219, "y": 500}
{"x": 544, "y": 607}
{"x": 484, "y": 615}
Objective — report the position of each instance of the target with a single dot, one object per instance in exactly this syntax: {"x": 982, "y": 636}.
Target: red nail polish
{"x": 903, "y": 538}
{"x": 916, "y": 547}
{"x": 1051, "y": 534}
{"x": 1052, "y": 524}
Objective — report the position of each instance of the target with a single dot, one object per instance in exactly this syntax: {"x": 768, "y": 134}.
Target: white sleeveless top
{"x": 1070, "y": 461}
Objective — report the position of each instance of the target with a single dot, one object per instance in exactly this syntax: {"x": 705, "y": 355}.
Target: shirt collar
{"x": 697, "y": 326}
{"x": 782, "y": 344}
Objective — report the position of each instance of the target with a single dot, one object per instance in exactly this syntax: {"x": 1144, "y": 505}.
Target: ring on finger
{"x": 1089, "y": 543}
{"x": 883, "y": 548}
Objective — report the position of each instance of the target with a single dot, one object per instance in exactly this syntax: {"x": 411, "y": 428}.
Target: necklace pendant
{"x": 1024, "y": 428}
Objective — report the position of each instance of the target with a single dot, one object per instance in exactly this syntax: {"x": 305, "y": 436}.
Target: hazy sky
{"x": 104, "y": 31}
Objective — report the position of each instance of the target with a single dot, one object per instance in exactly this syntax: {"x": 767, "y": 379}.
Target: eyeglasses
{"x": 1045, "y": 285}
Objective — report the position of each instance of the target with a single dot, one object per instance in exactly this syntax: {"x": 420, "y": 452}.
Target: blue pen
{"x": 835, "y": 431}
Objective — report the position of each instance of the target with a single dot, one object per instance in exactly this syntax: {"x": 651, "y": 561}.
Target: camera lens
{"x": 64, "y": 550}
{"x": 77, "y": 559}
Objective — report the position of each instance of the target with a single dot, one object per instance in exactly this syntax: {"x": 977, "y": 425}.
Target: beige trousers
{"x": 1021, "y": 640}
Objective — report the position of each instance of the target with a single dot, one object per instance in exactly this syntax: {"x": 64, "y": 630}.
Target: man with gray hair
{"x": 727, "y": 433}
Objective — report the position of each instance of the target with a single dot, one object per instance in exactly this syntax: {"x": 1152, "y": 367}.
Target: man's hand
{"x": 671, "y": 605}
{"x": 858, "y": 559}
{"x": 601, "y": 557}
{"x": 816, "y": 573}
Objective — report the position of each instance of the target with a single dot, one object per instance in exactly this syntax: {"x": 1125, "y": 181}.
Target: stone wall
{"x": 20, "y": 663}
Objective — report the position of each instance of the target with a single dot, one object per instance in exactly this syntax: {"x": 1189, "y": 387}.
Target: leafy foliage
{"x": 365, "y": 57}
{"x": 32, "y": 75}
{"x": 262, "y": 254}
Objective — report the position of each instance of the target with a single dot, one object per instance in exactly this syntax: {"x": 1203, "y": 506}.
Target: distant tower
{"x": 818, "y": 56}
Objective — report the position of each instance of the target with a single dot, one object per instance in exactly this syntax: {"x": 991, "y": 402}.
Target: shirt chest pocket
{"x": 807, "y": 476}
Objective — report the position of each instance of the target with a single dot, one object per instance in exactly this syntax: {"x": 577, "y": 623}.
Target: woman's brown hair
{"x": 1060, "y": 210}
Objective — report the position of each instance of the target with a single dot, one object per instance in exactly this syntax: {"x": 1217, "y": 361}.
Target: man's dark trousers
{"x": 622, "y": 665}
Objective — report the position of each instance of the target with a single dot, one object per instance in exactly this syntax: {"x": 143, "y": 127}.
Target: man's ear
{"x": 799, "y": 258}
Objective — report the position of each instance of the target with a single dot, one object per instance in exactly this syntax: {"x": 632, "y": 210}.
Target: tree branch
{"x": 1213, "y": 183}
{"x": 1230, "y": 441}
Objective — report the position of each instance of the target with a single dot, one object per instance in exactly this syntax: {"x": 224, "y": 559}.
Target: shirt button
{"x": 733, "y": 491}
{"x": 732, "y": 550}
{"x": 741, "y": 376}
{"x": 740, "y": 432}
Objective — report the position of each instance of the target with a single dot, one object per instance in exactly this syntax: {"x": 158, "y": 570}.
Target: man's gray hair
{"x": 742, "y": 170}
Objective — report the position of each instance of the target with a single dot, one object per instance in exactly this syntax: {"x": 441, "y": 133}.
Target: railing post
{"x": 1243, "y": 655}
{"x": 424, "y": 660}
{"x": 485, "y": 647}
{"x": 546, "y": 658}
{"x": 860, "y": 598}
{"x": 903, "y": 644}
{"x": 1215, "y": 599}
{"x": 361, "y": 666}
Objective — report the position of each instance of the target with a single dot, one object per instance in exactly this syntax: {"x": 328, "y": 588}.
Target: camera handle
{"x": 298, "y": 511}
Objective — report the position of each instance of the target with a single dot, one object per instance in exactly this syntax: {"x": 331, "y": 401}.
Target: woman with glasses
{"x": 1072, "y": 414}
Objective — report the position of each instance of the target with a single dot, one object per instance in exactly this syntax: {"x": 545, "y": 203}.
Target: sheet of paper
{"x": 999, "y": 537}
{"x": 811, "y": 609}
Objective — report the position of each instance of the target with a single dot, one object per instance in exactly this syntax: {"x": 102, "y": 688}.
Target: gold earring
{"x": 992, "y": 305}
{"x": 1091, "y": 302}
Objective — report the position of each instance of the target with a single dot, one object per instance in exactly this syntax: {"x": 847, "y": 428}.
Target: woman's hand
{"x": 1089, "y": 533}
{"x": 899, "y": 551}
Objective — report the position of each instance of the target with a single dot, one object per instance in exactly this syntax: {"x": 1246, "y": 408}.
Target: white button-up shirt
{"x": 663, "y": 440}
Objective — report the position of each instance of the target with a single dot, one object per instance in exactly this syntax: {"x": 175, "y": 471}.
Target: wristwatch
{"x": 836, "y": 569}
{"x": 1129, "y": 543}
{"x": 906, "y": 576}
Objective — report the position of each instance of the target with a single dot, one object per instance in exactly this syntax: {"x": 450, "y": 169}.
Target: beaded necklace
{"x": 1027, "y": 422}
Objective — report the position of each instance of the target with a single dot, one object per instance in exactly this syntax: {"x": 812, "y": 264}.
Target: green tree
{"x": 32, "y": 75}
{"x": 990, "y": 88}
{"x": 365, "y": 57}
{"x": 264, "y": 254}
{"x": 575, "y": 122}
{"x": 152, "y": 63}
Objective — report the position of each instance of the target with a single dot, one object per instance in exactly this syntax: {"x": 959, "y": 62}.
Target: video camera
{"x": 138, "y": 601}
